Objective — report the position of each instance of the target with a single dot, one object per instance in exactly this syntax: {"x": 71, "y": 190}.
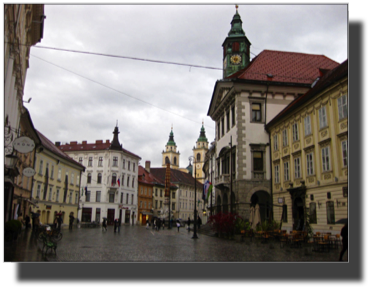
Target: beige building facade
{"x": 56, "y": 184}
{"x": 309, "y": 156}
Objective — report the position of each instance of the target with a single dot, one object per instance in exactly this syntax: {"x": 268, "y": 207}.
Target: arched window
{"x": 167, "y": 160}
{"x": 175, "y": 160}
{"x": 99, "y": 178}
{"x": 198, "y": 157}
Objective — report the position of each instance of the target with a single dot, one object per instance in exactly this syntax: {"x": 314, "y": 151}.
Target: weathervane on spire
{"x": 237, "y": 6}
{"x": 172, "y": 126}
{"x": 116, "y": 122}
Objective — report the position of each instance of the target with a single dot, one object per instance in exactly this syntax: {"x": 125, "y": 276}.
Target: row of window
{"x": 115, "y": 162}
{"x": 226, "y": 122}
{"x": 330, "y": 213}
{"x": 342, "y": 110}
{"x": 59, "y": 177}
{"x": 145, "y": 205}
{"x": 326, "y": 163}
{"x": 111, "y": 197}
{"x": 113, "y": 179}
{"x": 57, "y": 196}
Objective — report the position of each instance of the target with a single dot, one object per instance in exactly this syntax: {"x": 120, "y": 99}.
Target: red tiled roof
{"x": 329, "y": 78}
{"x": 46, "y": 143}
{"x": 149, "y": 178}
{"x": 176, "y": 176}
{"x": 97, "y": 146}
{"x": 288, "y": 67}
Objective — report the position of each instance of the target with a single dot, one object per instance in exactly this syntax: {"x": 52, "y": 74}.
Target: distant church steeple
{"x": 170, "y": 154}
{"x": 199, "y": 153}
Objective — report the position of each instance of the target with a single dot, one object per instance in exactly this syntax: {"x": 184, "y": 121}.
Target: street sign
{"x": 23, "y": 144}
{"x": 29, "y": 172}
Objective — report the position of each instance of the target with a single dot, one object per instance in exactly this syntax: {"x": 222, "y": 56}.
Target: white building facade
{"x": 110, "y": 183}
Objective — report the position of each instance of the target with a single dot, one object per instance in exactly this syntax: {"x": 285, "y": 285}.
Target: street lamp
{"x": 192, "y": 158}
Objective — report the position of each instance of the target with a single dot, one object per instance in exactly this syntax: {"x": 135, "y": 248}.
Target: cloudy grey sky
{"x": 79, "y": 97}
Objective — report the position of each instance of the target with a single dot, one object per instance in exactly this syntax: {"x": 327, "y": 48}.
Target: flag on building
{"x": 209, "y": 191}
{"x": 118, "y": 181}
{"x": 205, "y": 190}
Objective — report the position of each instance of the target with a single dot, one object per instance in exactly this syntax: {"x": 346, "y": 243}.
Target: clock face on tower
{"x": 235, "y": 59}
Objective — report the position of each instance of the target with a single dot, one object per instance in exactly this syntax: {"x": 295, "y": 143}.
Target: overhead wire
{"x": 113, "y": 89}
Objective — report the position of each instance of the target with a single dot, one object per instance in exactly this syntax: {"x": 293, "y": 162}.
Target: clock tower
{"x": 236, "y": 48}
{"x": 199, "y": 153}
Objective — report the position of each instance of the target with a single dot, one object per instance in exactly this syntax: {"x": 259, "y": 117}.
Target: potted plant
{"x": 12, "y": 229}
{"x": 224, "y": 223}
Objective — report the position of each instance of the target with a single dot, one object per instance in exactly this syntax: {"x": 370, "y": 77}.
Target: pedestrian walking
{"x": 59, "y": 222}
{"x": 163, "y": 224}
{"x": 115, "y": 225}
{"x": 27, "y": 221}
{"x": 154, "y": 224}
{"x": 344, "y": 234}
{"x": 55, "y": 223}
{"x": 104, "y": 224}
{"x": 71, "y": 221}
{"x": 188, "y": 224}
{"x": 178, "y": 225}
{"x": 199, "y": 222}
{"x": 119, "y": 225}
{"x": 158, "y": 224}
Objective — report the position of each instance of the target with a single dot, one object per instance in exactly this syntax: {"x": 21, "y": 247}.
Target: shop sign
{"x": 29, "y": 172}
{"x": 23, "y": 144}
{"x": 48, "y": 207}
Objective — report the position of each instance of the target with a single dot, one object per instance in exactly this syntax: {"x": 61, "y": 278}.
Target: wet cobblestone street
{"x": 138, "y": 244}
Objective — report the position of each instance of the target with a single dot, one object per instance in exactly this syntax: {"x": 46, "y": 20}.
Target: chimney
{"x": 147, "y": 165}
{"x": 84, "y": 142}
{"x": 99, "y": 141}
{"x": 57, "y": 143}
{"x": 107, "y": 141}
{"x": 73, "y": 143}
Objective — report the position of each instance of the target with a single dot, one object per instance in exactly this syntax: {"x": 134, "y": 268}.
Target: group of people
{"x": 199, "y": 222}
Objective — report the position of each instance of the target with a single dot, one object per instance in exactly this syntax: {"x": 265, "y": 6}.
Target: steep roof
{"x": 148, "y": 178}
{"x": 287, "y": 67}
{"x": 329, "y": 78}
{"x": 176, "y": 176}
{"x": 47, "y": 144}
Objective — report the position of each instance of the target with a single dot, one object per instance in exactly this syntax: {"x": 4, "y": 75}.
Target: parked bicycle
{"x": 54, "y": 235}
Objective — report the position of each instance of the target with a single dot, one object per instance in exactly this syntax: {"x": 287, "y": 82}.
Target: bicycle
{"x": 53, "y": 234}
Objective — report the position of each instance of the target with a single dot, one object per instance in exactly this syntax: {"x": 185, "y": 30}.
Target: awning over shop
{"x": 146, "y": 213}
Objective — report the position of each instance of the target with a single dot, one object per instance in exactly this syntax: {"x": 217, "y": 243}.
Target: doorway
{"x": 110, "y": 216}
{"x": 298, "y": 214}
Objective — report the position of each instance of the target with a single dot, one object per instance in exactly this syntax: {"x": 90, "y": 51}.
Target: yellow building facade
{"x": 56, "y": 184}
{"x": 309, "y": 156}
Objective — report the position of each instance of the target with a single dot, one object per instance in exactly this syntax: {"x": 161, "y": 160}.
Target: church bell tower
{"x": 236, "y": 48}
{"x": 199, "y": 153}
{"x": 170, "y": 153}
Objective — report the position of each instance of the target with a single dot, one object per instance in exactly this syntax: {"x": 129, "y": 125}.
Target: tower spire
{"x": 115, "y": 145}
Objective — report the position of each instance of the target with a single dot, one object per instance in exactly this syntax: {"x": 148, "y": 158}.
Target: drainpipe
{"x": 269, "y": 77}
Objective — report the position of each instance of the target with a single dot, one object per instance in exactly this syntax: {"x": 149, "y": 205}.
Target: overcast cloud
{"x": 148, "y": 98}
